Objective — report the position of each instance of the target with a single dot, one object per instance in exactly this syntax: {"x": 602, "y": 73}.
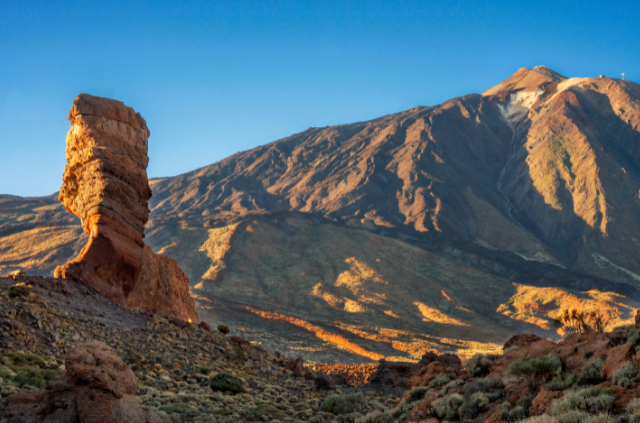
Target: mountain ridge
{"x": 531, "y": 186}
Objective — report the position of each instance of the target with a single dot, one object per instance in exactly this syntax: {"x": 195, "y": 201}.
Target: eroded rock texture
{"x": 105, "y": 184}
{"x": 97, "y": 387}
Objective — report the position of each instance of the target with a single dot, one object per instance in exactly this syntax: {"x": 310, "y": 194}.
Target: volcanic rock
{"x": 325, "y": 382}
{"x": 97, "y": 387}
{"x": 296, "y": 366}
{"x": 105, "y": 184}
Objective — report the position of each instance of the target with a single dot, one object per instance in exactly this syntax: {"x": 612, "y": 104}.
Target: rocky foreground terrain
{"x": 67, "y": 354}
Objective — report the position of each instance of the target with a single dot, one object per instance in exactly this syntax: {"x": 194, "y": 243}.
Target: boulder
{"x": 324, "y": 382}
{"x": 393, "y": 377}
{"x": 617, "y": 357}
{"x": 205, "y": 326}
{"x": 105, "y": 184}
{"x": 310, "y": 374}
{"x": 543, "y": 402}
{"x": 296, "y": 366}
{"x": 97, "y": 387}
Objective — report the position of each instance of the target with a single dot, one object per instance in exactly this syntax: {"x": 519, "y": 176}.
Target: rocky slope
{"x": 413, "y": 230}
{"x": 69, "y": 354}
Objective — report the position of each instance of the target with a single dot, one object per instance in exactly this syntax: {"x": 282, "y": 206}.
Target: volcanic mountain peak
{"x": 526, "y": 80}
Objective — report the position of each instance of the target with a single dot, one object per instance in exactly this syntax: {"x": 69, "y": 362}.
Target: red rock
{"x": 617, "y": 357}
{"x": 98, "y": 387}
{"x": 238, "y": 341}
{"x": 296, "y": 366}
{"x": 255, "y": 355}
{"x": 543, "y": 401}
{"x": 310, "y": 374}
{"x": 181, "y": 323}
{"x": 105, "y": 184}
{"x": 205, "y": 326}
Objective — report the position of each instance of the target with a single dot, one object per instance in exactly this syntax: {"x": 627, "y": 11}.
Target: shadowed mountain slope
{"x": 382, "y": 238}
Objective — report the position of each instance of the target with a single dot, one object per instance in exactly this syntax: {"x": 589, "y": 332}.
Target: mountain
{"x": 448, "y": 228}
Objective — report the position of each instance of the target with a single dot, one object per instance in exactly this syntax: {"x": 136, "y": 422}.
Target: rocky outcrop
{"x": 105, "y": 184}
{"x": 98, "y": 387}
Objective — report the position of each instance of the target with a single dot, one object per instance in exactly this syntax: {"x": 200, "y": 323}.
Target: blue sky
{"x": 214, "y": 78}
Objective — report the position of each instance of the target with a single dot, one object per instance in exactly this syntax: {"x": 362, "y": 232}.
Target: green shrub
{"x": 560, "y": 384}
{"x": 340, "y": 379}
{"x": 633, "y": 410}
{"x": 508, "y": 413}
{"x": 204, "y": 370}
{"x": 415, "y": 394}
{"x": 592, "y": 370}
{"x": 29, "y": 378}
{"x": 175, "y": 408}
{"x": 24, "y": 360}
{"x": 227, "y": 382}
{"x": 448, "y": 407}
{"x": 345, "y": 404}
{"x": 624, "y": 375}
{"x": 267, "y": 410}
{"x": 450, "y": 386}
{"x": 376, "y": 417}
{"x": 19, "y": 290}
{"x": 440, "y": 380}
{"x": 535, "y": 370}
{"x": 478, "y": 365}
{"x": 589, "y": 400}
{"x": 224, "y": 329}
{"x": 480, "y": 399}
{"x": 348, "y": 418}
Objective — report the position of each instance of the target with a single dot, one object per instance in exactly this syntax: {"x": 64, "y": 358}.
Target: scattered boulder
{"x": 325, "y": 382}
{"x": 205, "y": 326}
{"x": 393, "y": 377}
{"x": 181, "y": 323}
{"x": 98, "y": 387}
{"x": 238, "y": 341}
{"x": 543, "y": 401}
{"x": 296, "y": 366}
{"x": 105, "y": 184}
{"x": 310, "y": 374}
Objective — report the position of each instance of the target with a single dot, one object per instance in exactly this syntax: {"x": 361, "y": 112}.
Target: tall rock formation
{"x": 105, "y": 184}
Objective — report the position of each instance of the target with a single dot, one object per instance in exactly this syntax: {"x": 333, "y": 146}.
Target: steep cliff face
{"x": 105, "y": 184}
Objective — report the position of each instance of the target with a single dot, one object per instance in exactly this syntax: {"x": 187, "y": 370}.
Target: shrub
{"x": 574, "y": 321}
{"x": 29, "y": 378}
{"x": 449, "y": 386}
{"x": 204, "y": 370}
{"x": 415, "y": 394}
{"x": 478, "y": 365}
{"x": 509, "y": 414}
{"x": 447, "y": 408}
{"x": 633, "y": 410}
{"x": 624, "y": 375}
{"x": 340, "y": 379}
{"x": 227, "y": 382}
{"x": 478, "y": 385}
{"x": 440, "y": 380}
{"x": 535, "y": 370}
{"x": 345, "y": 404}
{"x": 267, "y": 410}
{"x": 481, "y": 399}
{"x": 560, "y": 384}
{"x": 19, "y": 290}
{"x": 224, "y": 329}
{"x": 592, "y": 370}
{"x": 23, "y": 360}
{"x": 589, "y": 400}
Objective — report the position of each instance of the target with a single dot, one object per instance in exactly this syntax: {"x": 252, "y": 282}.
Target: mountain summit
{"x": 447, "y": 228}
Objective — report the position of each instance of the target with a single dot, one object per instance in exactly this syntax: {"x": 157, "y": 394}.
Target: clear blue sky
{"x": 214, "y": 78}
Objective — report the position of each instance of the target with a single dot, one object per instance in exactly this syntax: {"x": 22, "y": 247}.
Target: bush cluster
{"x": 479, "y": 364}
{"x": 591, "y": 401}
{"x": 591, "y": 371}
{"x": 227, "y": 382}
{"x": 19, "y": 290}
{"x": 558, "y": 383}
{"x": 447, "y": 408}
{"x": 344, "y": 404}
{"x": 441, "y": 380}
{"x": 625, "y": 375}
{"x": 224, "y": 329}
{"x": 535, "y": 370}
